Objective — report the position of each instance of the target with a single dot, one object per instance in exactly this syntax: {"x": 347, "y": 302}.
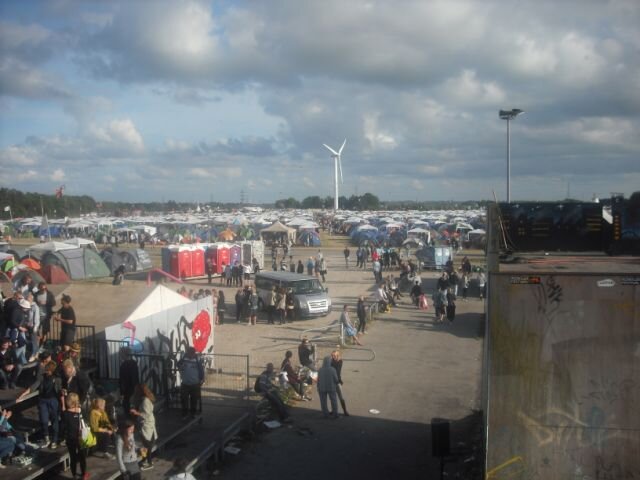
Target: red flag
{"x": 60, "y": 191}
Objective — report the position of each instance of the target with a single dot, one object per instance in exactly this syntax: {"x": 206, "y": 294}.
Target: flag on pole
{"x": 7, "y": 208}
{"x": 60, "y": 191}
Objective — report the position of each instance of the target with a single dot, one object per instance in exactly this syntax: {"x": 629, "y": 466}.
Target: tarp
{"x": 55, "y": 275}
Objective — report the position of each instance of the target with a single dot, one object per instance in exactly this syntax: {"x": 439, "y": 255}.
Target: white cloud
{"x": 119, "y": 134}
{"x": 18, "y": 155}
{"x": 377, "y": 137}
{"x": 58, "y": 175}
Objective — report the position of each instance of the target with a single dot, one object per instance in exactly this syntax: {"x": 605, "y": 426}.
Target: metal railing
{"x": 85, "y": 336}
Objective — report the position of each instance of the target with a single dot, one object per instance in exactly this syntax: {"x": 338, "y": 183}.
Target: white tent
{"x": 160, "y": 299}
{"x": 81, "y": 242}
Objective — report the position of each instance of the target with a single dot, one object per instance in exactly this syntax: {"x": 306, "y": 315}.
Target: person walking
{"x": 377, "y": 271}
{"x": 144, "y": 400}
{"x": 271, "y": 307}
{"x": 327, "y": 386}
{"x": 126, "y": 451}
{"x": 347, "y": 327}
{"x": 346, "y": 252}
{"x": 361, "y": 310}
{"x": 191, "y": 371}
{"x": 281, "y": 305}
{"x": 253, "y": 306}
{"x": 300, "y": 268}
{"x": 323, "y": 269}
{"x": 336, "y": 363}
{"x": 465, "y": 285}
{"x": 72, "y": 418}
{"x": 451, "y": 304}
{"x": 239, "y": 298}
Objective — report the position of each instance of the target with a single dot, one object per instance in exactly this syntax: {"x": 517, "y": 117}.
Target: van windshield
{"x": 307, "y": 286}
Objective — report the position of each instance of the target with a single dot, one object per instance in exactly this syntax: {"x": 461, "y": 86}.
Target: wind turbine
{"x": 337, "y": 166}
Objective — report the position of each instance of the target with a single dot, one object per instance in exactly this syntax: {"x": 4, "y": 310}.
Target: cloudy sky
{"x": 198, "y": 100}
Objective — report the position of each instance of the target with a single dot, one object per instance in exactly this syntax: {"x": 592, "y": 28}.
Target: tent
{"x": 134, "y": 260}
{"x": 309, "y": 238}
{"x": 278, "y": 233}
{"x": 32, "y": 263}
{"x": 54, "y": 274}
{"x": 226, "y": 235}
{"x": 78, "y": 263}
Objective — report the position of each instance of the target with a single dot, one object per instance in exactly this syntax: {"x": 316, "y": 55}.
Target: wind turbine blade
{"x": 343, "y": 144}
{"x": 340, "y": 165}
{"x": 330, "y": 149}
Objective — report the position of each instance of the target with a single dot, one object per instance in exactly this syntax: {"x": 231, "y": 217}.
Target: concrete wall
{"x": 563, "y": 382}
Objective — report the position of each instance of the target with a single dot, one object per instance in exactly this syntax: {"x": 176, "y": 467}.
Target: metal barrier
{"x": 153, "y": 369}
{"x": 85, "y": 336}
{"x": 226, "y": 383}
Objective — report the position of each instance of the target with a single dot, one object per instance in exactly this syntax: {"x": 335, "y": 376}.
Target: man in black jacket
{"x": 129, "y": 377}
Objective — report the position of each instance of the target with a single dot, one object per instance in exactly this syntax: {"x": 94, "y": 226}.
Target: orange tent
{"x": 226, "y": 235}
{"x": 32, "y": 263}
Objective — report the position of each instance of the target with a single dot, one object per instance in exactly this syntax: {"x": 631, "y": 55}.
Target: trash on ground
{"x": 374, "y": 411}
{"x": 272, "y": 424}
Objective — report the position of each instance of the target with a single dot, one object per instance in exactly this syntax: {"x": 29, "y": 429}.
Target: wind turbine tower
{"x": 337, "y": 164}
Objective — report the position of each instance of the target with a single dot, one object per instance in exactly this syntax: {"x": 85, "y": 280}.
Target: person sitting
{"x": 11, "y": 442}
{"x": 416, "y": 291}
{"x": 264, "y": 385}
{"x": 394, "y": 288}
{"x": 292, "y": 377}
{"x": 306, "y": 352}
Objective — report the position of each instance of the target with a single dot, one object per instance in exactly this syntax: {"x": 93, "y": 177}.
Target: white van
{"x": 311, "y": 298}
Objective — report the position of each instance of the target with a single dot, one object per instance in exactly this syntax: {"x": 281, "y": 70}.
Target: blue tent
{"x": 310, "y": 238}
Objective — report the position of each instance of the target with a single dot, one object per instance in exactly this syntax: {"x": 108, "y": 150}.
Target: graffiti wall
{"x": 166, "y": 333}
{"x": 563, "y": 360}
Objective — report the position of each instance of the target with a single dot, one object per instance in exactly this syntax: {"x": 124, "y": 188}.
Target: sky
{"x": 200, "y": 101}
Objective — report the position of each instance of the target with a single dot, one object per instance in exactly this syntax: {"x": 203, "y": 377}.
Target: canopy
{"x": 277, "y": 227}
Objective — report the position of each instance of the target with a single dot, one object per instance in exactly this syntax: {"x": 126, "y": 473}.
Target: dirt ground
{"x": 421, "y": 371}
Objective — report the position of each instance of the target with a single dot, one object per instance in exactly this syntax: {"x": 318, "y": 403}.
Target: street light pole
{"x": 509, "y": 115}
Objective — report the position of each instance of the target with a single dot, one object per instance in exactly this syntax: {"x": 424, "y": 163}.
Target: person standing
{"x": 126, "y": 451}
{"x": 310, "y": 266}
{"x": 254, "y": 301}
{"x": 451, "y": 304}
{"x": 306, "y": 352}
{"x": 323, "y": 269}
{"x": 292, "y": 264}
{"x": 47, "y": 301}
{"x": 290, "y": 302}
{"x": 222, "y": 306}
{"x": 67, "y": 318}
{"x": 327, "y": 386}
{"x": 10, "y": 368}
{"x": 336, "y": 363}
{"x": 300, "y": 268}
{"x": 281, "y": 305}
{"x": 465, "y": 285}
{"x": 271, "y": 307}
{"x": 239, "y": 298}
{"x": 361, "y": 310}
{"x": 454, "y": 280}
{"x": 48, "y": 386}
{"x": 129, "y": 377}
{"x": 191, "y": 371}
{"x": 210, "y": 268}
{"x": 144, "y": 399}
{"x": 347, "y": 327}
{"x": 346, "y": 252}
{"x": 377, "y": 271}
{"x": 71, "y": 418}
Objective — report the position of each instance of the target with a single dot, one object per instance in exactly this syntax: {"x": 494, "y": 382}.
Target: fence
{"x": 85, "y": 336}
{"x": 153, "y": 369}
{"x": 226, "y": 383}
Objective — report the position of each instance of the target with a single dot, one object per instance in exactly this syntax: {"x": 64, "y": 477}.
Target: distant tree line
{"x": 34, "y": 204}
{"x": 368, "y": 201}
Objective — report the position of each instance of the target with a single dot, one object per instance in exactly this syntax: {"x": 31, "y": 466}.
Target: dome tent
{"x": 54, "y": 274}
{"x": 78, "y": 263}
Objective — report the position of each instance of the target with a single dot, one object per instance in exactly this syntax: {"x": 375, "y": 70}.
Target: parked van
{"x": 311, "y": 298}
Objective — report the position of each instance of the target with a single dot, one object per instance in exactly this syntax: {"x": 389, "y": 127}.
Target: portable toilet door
{"x": 184, "y": 262}
{"x": 211, "y": 253}
{"x": 235, "y": 254}
{"x": 197, "y": 262}
{"x": 223, "y": 256}
{"x": 247, "y": 253}
{"x": 166, "y": 259}
{"x": 174, "y": 261}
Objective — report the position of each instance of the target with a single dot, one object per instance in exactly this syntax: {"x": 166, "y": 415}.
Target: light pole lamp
{"x": 509, "y": 115}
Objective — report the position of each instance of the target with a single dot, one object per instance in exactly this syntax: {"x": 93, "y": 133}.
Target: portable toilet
{"x": 197, "y": 262}
{"x": 223, "y": 255}
{"x": 247, "y": 252}
{"x": 235, "y": 254}
{"x": 181, "y": 262}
